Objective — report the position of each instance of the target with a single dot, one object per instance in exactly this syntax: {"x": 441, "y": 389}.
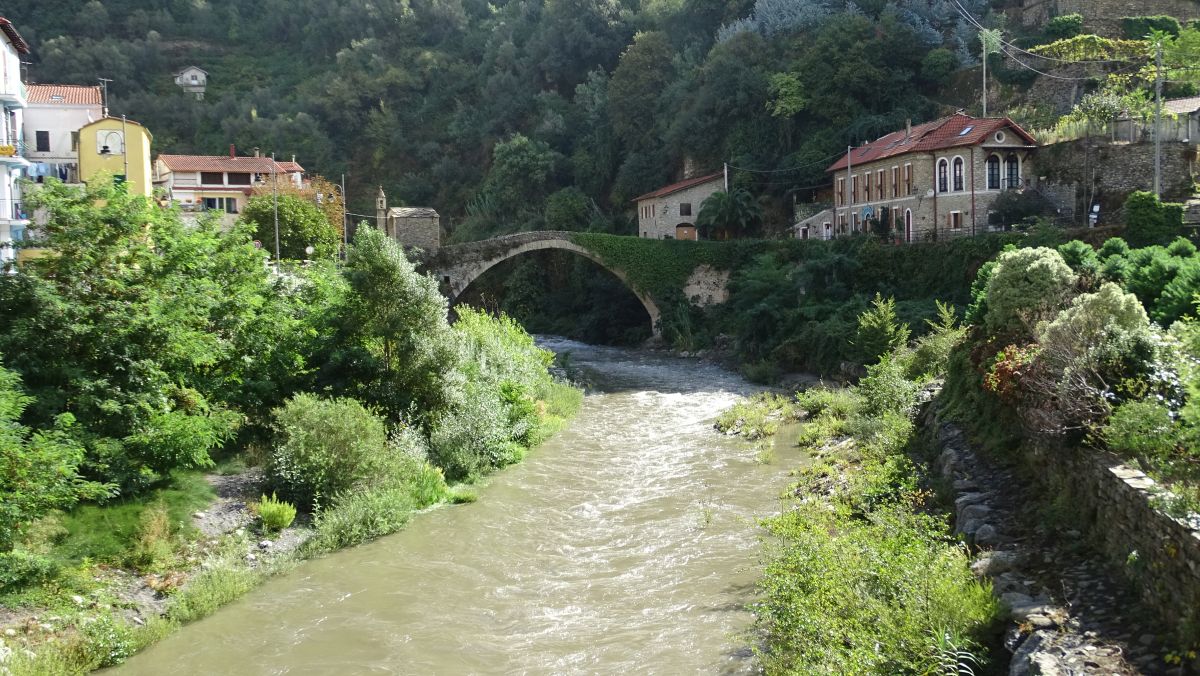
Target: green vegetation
{"x": 273, "y": 513}
{"x": 144, "y": 351}
{"x": 863, "y": 575}
{"x": 301, "y": 224}
{"x": 759, "y": 416}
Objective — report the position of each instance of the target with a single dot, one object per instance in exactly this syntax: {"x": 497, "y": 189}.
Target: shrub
{"x": 1081, "y": 257}
{"x": 225, "y": 580}
{"x": 1149, "y": 221}
{"x": 1114, "y": 246}
{"x": 879, "y": 330}
{"x": 931, "y": 352}
{"x": 1063, "y": 27}
{"x": 1026, "y": 286}
{"x": 274, "y": 513}
{"x": 361, "y": 516}
{"x": 1139, "y": 27}
{"x": 887, "y": 387}
{"x": 326, "y": 447}
{"x": 154, "y": 547}
{"x": 21, "y": 569}
{"x": 1014, "y": 208}
{"x": 301, "y": 224}
{"x": 1142, "y": 430}
{"x": 937, "y": 65}
{"x": 1178, "y": 297}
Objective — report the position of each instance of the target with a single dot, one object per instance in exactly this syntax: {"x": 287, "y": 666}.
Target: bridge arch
{"x": 462, "y": 264}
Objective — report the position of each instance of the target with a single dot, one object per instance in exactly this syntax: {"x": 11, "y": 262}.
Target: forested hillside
{"x": 506, "y": 115}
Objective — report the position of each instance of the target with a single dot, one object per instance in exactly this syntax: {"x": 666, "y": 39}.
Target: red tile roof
{"x": 256, "y": 165}
{"x": 13, "y": 36}
{"x": 676, "y": 187}
{"x": 948, "y": 132}
{"x": 67, "y": 95}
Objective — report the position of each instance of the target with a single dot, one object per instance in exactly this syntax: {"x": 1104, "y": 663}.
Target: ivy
{"x": 1093, "y": 47}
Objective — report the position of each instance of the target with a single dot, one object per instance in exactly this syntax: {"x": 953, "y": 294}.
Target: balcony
{"x": 14, "y": 94}
{"x": 13, "y": 210}
{"x": 12, "y": 152}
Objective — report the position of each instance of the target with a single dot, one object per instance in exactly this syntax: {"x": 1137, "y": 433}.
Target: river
{"x": 627, "y": 544}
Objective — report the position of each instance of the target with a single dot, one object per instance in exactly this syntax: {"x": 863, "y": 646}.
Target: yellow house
{"x": 119, "y": 147}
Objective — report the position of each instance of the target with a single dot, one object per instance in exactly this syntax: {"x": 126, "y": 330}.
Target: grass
{"x": 108, "y": 533}
{"x": 759, "y": 416}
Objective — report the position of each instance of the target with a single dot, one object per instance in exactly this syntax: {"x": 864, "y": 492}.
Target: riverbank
{"x": 95, "y": 615}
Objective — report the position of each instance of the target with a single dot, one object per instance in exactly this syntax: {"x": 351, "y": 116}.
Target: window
{"x": 853, "y": 189}
{"x": 993, "y": 172}
{"x": 238, "y": 179}
{"x": 839, "y": 194}
{"x": 908, "y": 225}
{"x": 954, "y": 219}
{"x": 212, "y": 178}
{"x": 943, "y": 176}
{"x": 685, "y": 208}
{"x": 43, "y": 141}
{"x": 895, "y": 181}
{"x": 110, "y": 142}
{"x": 227, "y": 204}
{"x": 879, "y": 176}
{"x": 867, "y": 186}
{"x": 804, "y": 232}
{"x": 1012, "y": 167}
{"x": 958, "y": 173}
{"x": 74, "y": 141}
{"x": 908, "y": 184}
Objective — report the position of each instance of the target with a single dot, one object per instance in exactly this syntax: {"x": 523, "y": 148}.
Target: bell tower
{"x": 381, "y": 212}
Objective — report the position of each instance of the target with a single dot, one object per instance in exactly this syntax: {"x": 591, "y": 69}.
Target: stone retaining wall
{"x": 1158, "y": 553}
{"x": 1117, "y": 169}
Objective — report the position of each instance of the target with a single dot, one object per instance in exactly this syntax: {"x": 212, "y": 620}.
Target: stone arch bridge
{"x": 457, "y": 265}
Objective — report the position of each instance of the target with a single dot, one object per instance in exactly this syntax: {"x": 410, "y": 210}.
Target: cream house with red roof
{"x": 933, "y": 181}
{"x": 219, "y": 183}
{"x": 53, "y": 119}
{"x": 670, "y": 212}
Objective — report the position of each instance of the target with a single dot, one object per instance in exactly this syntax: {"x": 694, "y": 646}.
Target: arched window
{"x": 958, "y": 173}
{"x": 993, "y": 172}
{"x": 943, "y": 178}
{"x": 908, "y": 225}
{"x": 1012, "y": 170}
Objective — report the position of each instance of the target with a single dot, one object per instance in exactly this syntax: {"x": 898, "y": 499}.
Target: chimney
{"x": 689, "y": 167}
{"x": 908, "y": 130}
{"x": 256, "y": 152}
{"x": 232, "y": 151}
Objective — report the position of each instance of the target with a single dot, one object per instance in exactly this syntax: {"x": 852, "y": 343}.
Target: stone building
{"x": 192, "y": 80}
{"x": 932, "y": 181}
{"x": 412, "y": 227}
{"x": 670, "y": 212}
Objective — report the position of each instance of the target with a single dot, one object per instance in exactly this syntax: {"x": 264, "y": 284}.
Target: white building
{"x": 13, "y": 99}
{"x": 192, "y": 80}
{"x": 52, "y": 122}
{"x": 200, "y": 183}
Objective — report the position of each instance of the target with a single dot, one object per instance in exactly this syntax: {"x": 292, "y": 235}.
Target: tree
{"x": 132, "y": 325}
{"x": 39, "y": 470}
{"x": 643, "y": 74}
{"x": 567, "y": 209}
{"x": 880, "y": 331}
{"x": 1148, "y": 221}
{"x": 519, "y": 175}
{"x": 301, "y": 225}
{"x": 728, "y": 214}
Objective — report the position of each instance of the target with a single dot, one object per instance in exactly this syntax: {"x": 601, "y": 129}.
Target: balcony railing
{"x": 12, "y": 150}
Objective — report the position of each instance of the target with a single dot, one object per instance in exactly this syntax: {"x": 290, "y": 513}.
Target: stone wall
{"x": 666, "y": 212}
{"x": 1117, "y": 170}
{"x": 1100, "y": 16}
{"x": 1160, "y": 554}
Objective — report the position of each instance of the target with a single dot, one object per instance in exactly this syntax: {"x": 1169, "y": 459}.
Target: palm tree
{"x": 728, "y": 214}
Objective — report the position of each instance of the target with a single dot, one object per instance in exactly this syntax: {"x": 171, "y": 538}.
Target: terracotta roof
{"x": 13, "y": 36}
{"x": 948, "y": 132}
{"x": 256, "y": 165}
{"x": 676, "y": 187}
{"x": 1182, "y": 106}
{"x": 67, "y": 95}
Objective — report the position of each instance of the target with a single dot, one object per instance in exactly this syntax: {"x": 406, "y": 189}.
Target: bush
{"x": 1063, "y": 27}
{"x": 1025, "y": 287}
{"x": 274, "y": 513}
{"x": 326, "y": 447}
{"x": 225, "y": 580}
{"x": 879, "y": 330}
{"x": 931, "y": 352}
{"x": 1149, "y": 221}
{"x": 1139, "y": 27}
{"x": 154, "y": 547}
{"x": 301, "y": 224}
{"x": 22, "y": 569}
{"x": 887, "y": 389}
{"x": 937, "y": 65}
{"x": 1141, "y": 430}
{"x": 1015, "y": 208}
{"x": 1114, "y": 246}
{"x": 1081, "y": 257}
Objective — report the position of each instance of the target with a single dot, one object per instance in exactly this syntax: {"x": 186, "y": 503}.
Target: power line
{"x": 969, "y": 17}
{"x": 788, "y": 170}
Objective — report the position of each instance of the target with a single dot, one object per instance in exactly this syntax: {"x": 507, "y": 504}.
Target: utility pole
{"x": 725, "y": 169}
{"x": 345, "y": 221}
{"x": 849, "y": 190}
{"x": 985, "y": 56}
{"x": 125, "y": 151}
{"x": 1158, "y": 84}
{"x": 104, "y": 95}
{"x": 275, "y": 198}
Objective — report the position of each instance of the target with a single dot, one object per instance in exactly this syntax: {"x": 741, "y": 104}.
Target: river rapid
{"x": 627, "y": 544}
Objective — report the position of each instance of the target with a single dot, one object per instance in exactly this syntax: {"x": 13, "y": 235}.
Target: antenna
{"x": 104, "y": 99}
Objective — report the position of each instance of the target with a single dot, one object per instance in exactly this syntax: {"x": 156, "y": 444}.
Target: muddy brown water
{"x": 627, "y": 544}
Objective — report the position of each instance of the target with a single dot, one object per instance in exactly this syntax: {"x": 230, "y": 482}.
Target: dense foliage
{"x": 485, "y": 110}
